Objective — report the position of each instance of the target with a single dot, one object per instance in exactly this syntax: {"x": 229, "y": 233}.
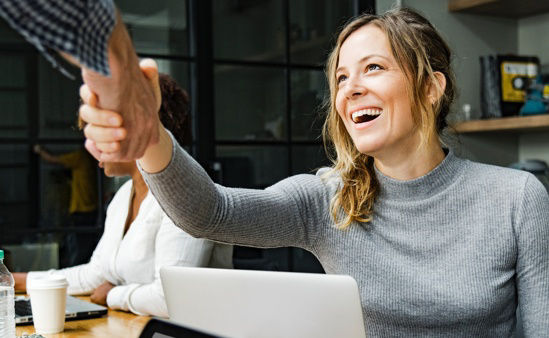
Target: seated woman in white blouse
{"x": 139, "y": 238}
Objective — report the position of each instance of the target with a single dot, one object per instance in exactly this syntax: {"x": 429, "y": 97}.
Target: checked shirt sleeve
{"x": 80, "y": 28}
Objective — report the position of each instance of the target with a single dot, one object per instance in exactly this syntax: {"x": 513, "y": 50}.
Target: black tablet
{"x": 159, "y": 328}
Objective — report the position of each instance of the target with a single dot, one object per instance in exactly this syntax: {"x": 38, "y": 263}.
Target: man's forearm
{"x": 130, "y": 93}
{"x": 91, "y": 34}
{"x": 123, "y": 63}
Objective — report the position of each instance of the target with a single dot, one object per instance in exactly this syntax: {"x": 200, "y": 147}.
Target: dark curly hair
{"x": 174, "y": 110}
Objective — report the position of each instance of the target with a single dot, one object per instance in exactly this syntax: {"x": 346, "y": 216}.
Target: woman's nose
{"x": 354, "y": 88}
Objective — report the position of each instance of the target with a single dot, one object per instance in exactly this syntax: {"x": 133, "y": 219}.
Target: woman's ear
{"x": 436, "y": 89}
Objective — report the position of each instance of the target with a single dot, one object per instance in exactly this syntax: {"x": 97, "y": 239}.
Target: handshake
{"x": 121, "y": 112}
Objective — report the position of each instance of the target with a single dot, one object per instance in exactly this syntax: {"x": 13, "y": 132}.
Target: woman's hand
{"x": 20, "y": 279}
{"x": 105, "y": 129}
{"x": 99, "y": 295}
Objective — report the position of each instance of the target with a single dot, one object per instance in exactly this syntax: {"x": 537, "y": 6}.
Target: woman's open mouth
{"x": 366, "y": 115}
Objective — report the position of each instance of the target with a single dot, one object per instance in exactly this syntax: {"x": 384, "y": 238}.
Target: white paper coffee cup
{"x": 48, "y": 296}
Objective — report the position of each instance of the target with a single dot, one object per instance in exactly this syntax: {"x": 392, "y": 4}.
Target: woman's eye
{"x": 341, "y": 78}
{"x": 373, "y": 66}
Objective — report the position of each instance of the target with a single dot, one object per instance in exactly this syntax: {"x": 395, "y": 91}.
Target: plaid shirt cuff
{"x": 80, "y": 28}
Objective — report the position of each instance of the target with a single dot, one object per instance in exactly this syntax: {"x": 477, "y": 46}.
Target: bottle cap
{"x": 1, "y": 254}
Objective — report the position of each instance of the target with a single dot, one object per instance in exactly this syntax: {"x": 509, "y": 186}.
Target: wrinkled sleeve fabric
{"x": 84, "y": 279}
{"x": 532, "y": 231}
{"x": 80, "y": 28}
{"x": 173, "y": 247}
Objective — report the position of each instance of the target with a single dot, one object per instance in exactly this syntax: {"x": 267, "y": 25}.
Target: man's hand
{"x": 107, "y": 131}
{"x": 99, "y": 295}
{"x": 129, "y": 92}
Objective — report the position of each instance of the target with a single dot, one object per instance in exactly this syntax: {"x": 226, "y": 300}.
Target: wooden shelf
{"x": 503, "y": 8}
{"x": 517, "y": 124}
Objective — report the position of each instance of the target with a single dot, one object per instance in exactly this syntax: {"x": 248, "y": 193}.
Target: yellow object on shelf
{"x": 515, "y": 76}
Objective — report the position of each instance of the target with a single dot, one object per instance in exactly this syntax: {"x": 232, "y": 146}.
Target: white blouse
{"x": 132, "y": 261}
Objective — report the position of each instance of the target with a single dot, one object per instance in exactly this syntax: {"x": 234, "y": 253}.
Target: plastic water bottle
{"x": 7, "y": 306}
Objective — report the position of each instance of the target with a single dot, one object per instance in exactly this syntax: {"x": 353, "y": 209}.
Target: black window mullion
{"x": 203, "y": 88}
{"x": 33, "y": 123}
{"x": 287, "y": 73}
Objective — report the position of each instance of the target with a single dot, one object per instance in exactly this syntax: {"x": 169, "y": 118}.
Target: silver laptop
{"x": 245, "y": 303}
{"x": 75, "y": 309}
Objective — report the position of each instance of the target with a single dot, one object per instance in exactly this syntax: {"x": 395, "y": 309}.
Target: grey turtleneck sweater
{"x": 452, "y": 253}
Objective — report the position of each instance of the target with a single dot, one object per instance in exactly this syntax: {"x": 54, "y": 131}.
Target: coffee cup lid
{"x": 50, "y": 281}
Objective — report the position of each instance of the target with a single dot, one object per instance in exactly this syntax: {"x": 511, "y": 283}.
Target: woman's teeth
{"x": 365, "y": 115}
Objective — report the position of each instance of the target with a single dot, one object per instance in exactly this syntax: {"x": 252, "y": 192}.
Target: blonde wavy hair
{"x": 420, "y": 52}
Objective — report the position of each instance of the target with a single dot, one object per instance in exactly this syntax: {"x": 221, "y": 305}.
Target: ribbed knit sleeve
{"x": 532, "y": 233}
{"x": 274, "y": 217}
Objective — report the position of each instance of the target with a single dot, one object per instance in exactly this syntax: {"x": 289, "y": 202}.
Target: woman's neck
{"x": 140, "y": 188}
{"x": 412, "y": 162}
{"x": 139, "y": 185}
{"x": 139, "y": 192}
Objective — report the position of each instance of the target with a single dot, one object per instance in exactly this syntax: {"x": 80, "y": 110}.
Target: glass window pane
{"x": 157, "y": 27}
{"x": 309, "y": 90}
{"x": 314, "y": 24}
{"x": 14, "y": 154}
{"x": 58, "y": 103}
{"x": 14, "y": 199}
{"x": 179, "y": 70}
{"x": 250, "y": 103}
{"x": 249, "y": 30}
{"x": 13, "y": 95}
{"x": 14, "y": 113}
{"x": 13, "y": 70}
{"x": 9, "y": 35}
{"x": 308, "y": 159}
{"x": 68, "y": 191}
{"x": 252, "y": 166}
{"x": 14, "y": 184}
{"x": 76, "y": 248}
{"x": 13, "y": 215}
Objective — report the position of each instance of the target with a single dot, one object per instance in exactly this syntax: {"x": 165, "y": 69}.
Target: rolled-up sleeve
{"x": 80, "y": 28}
{"x": 173, "y": 247}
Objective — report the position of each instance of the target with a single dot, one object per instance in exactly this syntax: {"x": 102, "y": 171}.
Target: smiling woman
{"x": 392, "y": 87}
{"x": 438, "y": 245}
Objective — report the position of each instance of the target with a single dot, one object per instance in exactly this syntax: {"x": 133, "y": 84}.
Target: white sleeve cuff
{"x": 119, "y": 297}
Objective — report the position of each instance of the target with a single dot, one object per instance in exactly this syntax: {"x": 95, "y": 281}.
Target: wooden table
{"x": 115, "y": 324}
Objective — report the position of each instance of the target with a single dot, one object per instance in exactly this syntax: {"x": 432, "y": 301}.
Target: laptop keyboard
{"x": 23, "y": 307}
